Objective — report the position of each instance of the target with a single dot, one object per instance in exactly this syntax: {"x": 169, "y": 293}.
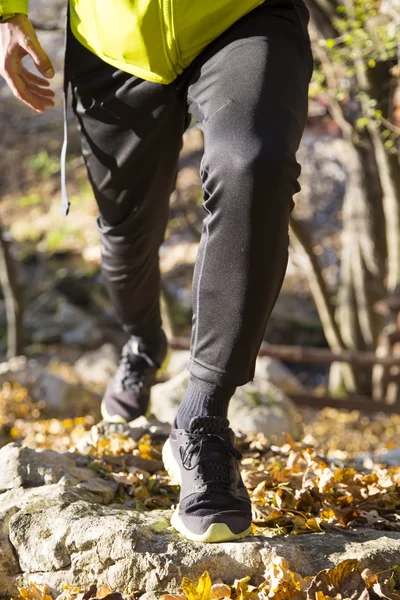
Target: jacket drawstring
{"x": 64, "y": 194}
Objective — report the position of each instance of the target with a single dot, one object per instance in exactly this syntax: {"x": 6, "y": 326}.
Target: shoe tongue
{"x": 209, "y": 425}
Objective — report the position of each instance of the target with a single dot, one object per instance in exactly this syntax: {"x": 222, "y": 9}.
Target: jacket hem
{"x": 13, "y": 6}
{"x": 123, "y": 65}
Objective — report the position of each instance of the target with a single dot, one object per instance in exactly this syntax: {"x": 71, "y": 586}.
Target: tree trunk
{"x": 12, "y": 299}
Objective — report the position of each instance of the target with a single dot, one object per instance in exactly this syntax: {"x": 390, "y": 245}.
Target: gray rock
{"x": 52, "y": 316}
{"x": 166, "y": 397}
{"x": 62, "y": 398}
{"x": 265, "y": 409}
{"x": 391, "y": 458}
{"x": 8, "y": 561}
{"x": 256, "y": 407}
{"x": 270, "y": 370}
{"x": 77, "y": 327}
{"x": 23, "y": 467}
{"x": 97, "y": 367}
{"x": 61, "y": 532}
{"x": 177, "y": 363}
{"x": 48, "y": 334}
{"x": 267, "y": 370}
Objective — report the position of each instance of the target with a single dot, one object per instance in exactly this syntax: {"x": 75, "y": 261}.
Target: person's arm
{"x": 18, "y": 39}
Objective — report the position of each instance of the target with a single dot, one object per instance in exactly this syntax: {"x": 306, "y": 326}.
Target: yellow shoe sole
{"x": 217, "y": 532}
{"x": 109, "y": 418}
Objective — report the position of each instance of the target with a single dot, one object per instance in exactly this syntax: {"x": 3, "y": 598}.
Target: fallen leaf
{"x": 342, "y": 581}
{"x": 89, "y": 594}
{"x": 199, "y": 591}
{"x": 244, "y": 591}
{"x": 220, "y": 590}
{"x": 369, "y": 577}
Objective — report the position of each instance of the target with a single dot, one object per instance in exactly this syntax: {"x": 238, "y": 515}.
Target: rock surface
{"x": 60, "y": 523}
{"x": 63, "y": 398}
{"x": 268, "y": 370}
{"x": 98, "y": 366}
{"x": 52, "y": 318}
{"x": 259, "y": 406}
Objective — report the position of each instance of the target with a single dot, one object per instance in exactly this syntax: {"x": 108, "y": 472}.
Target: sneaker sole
{"x": 217, "y": 532}
{"x": 109, "y": 418}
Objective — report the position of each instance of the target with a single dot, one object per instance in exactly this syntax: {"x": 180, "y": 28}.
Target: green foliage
{"x": 365, "y": 38}
{"x": 61, "y": 237}
{"x": 29, "y": 200}
{"x": 43, "y": 164}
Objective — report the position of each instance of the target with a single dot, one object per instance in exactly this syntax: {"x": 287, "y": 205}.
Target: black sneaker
{"x": 128, "y": 393}
{"x": 214, "y": 505}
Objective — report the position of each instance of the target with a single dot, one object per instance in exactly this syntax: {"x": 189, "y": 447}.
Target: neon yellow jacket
{"x": 152, "y": 39}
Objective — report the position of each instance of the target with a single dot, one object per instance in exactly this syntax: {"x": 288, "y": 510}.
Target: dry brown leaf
{"x": 220, "y": 590}
{"x": 343, "y": 581}
{"x": 90, "y": 593}
{"x": 369, "y": 577}
{"x": 281, "y": 583}
{"x": 104, "y": 591}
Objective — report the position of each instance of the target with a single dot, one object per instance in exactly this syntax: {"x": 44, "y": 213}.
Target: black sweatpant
{"x": 248, "y": 92}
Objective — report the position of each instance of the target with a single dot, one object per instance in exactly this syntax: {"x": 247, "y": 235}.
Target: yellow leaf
{"x": 201, "y": 591}
{"x": 313, "y": 524}
{"x": 342, "y": 570}
{"x": 345, "y": 474}
{"x": 321, "y": 596}
{"x": 244, "y": 591}
{"x": 34, "y": 592}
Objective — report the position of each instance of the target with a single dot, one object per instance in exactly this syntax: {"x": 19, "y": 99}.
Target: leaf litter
{"x": 345, "y": 581}
{"x": 296, "y": 488}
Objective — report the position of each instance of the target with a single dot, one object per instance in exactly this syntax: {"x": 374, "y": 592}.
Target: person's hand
{"x": 18, "y": 39}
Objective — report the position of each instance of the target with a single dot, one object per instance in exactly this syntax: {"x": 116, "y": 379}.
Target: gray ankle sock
{"x": 203, "y": 399}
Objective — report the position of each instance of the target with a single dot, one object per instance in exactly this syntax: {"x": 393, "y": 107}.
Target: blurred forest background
{"x": 342, "y": 286}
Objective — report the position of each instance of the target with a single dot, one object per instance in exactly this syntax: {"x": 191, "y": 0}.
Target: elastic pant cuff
{"x": 145, "y": 332}
{"x": 218, "y": 376}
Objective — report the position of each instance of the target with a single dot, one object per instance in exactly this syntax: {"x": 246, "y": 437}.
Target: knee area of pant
{"x": 131, "y": 242}
{"x": 265, "y": 164}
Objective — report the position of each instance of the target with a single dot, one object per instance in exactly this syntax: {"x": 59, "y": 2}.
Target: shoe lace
{"x": 198, "y": 442}
{"x": 133, "y": 366}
